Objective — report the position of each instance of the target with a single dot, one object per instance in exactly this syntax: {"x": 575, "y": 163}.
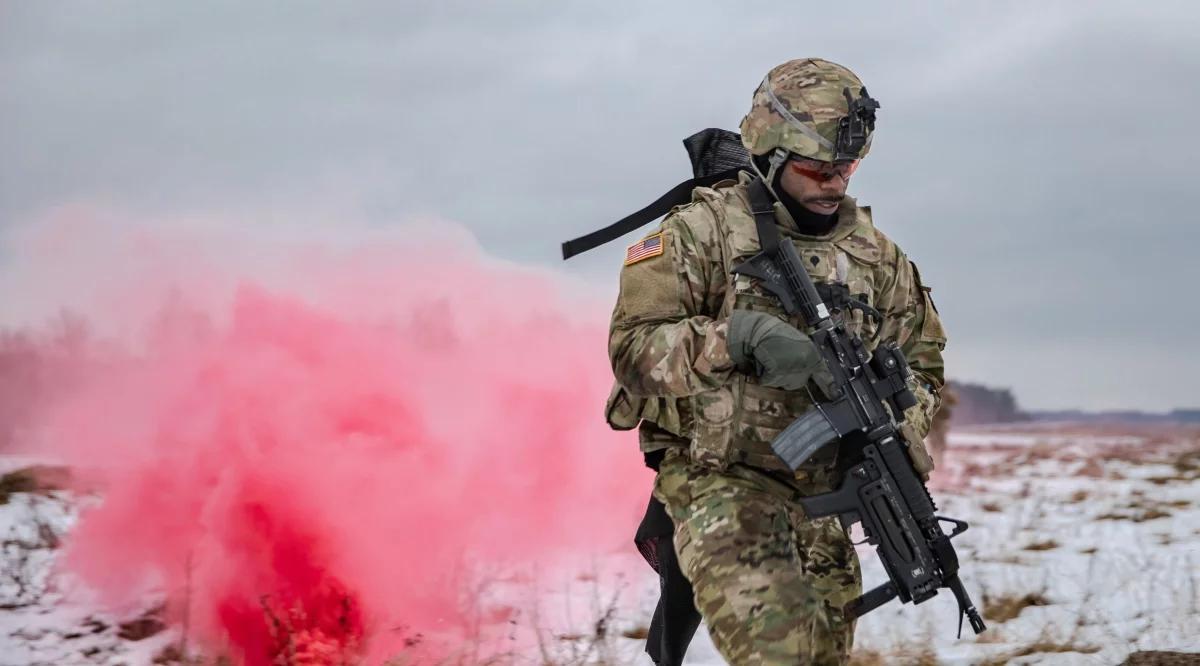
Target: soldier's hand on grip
{"x": 780, "y": 354}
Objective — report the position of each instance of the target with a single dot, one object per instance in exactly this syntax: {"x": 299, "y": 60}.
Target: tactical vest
{"x": 736, "y": 422}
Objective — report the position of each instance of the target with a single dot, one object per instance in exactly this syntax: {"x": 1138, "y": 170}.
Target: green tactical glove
{"x": 781, "y": 354}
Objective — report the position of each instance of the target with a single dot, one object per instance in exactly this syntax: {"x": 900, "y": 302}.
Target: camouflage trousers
{"x": 768, "y": 581}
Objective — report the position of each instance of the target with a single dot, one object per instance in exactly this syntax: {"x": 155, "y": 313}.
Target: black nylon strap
{"x": 762, "y": 206}
{"x": 680, "y": 194}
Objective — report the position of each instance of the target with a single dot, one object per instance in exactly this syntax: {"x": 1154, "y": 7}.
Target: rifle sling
{"x": 762, "y": 206}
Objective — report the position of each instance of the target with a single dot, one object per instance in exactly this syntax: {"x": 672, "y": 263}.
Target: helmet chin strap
{"x": 778, "y": 157}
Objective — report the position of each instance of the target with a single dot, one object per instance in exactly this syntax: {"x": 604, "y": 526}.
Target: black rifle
{"x": 881, "y": 488}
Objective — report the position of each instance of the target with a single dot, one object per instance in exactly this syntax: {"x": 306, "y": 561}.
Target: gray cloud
{"x": 1035, "y": 158}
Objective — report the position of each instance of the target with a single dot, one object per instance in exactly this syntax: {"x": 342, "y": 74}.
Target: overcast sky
{"x": 1036, "y": 159}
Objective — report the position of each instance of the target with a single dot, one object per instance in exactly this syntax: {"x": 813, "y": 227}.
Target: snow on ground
{"x": 1084, "y": 546}
{"x": 45, "y": 616}
{"x": 1094, "y": 537}
{"x": 1088, "y": 537}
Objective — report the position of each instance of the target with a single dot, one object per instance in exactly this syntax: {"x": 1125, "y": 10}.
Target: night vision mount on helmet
{"x": 854, "y": 129}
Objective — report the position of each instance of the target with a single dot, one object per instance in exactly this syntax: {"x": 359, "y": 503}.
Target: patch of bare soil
{"x": 1157, "y": 658}
{"x": 1005, "y": 608}
{"x": 33, "y": 479}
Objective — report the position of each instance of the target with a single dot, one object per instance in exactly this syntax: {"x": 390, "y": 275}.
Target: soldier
{"x": 710, "y": 368}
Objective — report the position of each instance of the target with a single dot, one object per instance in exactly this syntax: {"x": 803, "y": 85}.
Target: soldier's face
{"x": 818, "y": 186}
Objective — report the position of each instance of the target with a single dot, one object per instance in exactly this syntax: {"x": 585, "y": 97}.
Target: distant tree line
{"x": 34, "y": 365}
{"x": 976, "y": 404}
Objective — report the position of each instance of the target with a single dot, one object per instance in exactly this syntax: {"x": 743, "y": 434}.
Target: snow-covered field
{"x": 1084, "y": 547}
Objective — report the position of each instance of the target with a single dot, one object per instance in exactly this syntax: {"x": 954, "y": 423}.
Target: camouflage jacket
{"x": 667, "y": 341}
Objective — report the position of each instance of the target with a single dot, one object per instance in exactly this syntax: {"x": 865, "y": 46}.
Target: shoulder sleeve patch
{"x": 650, "y": 246}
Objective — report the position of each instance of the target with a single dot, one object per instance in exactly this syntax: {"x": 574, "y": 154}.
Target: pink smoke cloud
{"x": 313, "y": 435}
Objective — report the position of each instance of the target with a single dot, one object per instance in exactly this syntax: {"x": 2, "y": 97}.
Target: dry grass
{"x": 639, "y": 633}
{"x": 1142, "y": 509}
{"x": 1137, "y": 516}
{"x": 1040, "y": 647}
{"x": 1005, "y": 608}
{"x": 922, "y": 656}
{"x": 1044, "y": 647}
{"x": 1049, "y": 544}
{"x": 867, "y": 658}
{"x": 1187, "y": 464}
{"x": 1151, "y": 514}
{"x": 992, "y": 635}
{"x": 33, "y": 479}
{"x": 1159, "y": 658}
{"x": 597, "y": 644}
{"x": 147, "y": 624}
{"x": 1092, "y": 469}
{"x": 173, "y": 654}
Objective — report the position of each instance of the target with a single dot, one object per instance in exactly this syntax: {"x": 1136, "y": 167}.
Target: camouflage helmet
{"x": 811, "y": 108}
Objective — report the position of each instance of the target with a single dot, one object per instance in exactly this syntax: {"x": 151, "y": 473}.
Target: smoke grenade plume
{"x": 307, "y": 439}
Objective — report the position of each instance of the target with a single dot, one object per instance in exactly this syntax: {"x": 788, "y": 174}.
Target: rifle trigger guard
{"x": 960, "y": 526}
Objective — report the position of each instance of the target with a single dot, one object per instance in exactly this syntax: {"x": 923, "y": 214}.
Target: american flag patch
{"x": 651, "y": 246}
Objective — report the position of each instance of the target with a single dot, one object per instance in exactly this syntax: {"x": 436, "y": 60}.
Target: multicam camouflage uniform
{"x": 768, "y": 581}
